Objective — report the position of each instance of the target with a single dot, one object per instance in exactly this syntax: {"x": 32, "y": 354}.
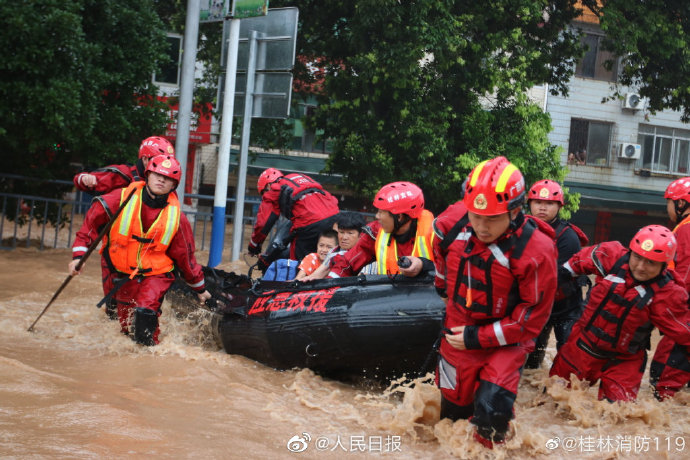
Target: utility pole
{"x": 184, "y": 113}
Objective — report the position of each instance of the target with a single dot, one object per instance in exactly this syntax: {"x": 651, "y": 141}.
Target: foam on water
{"x": 78, "y": 388}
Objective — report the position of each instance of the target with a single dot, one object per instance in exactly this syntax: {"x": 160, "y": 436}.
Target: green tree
{"x": 422, "y": 90}
{"x": 75, "y": 83}
{"x": 652, "y": 40}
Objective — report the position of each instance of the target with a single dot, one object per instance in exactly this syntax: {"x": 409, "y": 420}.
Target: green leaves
{"x": 74, "y": 73}
{"x": 432, "y": 86}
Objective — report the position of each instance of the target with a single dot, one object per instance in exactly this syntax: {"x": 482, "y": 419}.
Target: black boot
{"x": 145, "y": 324}
{"x": 535, "y": 359}
{"x": 111, "y": 308}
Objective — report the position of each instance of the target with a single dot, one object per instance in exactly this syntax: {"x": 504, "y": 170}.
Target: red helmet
{"x": 546, "y": 190}
{"x": 494, "y": 187}
{"x": 654, "y": 242}
{"x": 400, "y": 198}
{"x": 269, "y": 176}
{"x": 165, "y": 165}
{"x": 155, "y": 145}
{"x": 679, "y": 189}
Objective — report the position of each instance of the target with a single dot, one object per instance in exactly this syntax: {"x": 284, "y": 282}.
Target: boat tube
{"x": 376, "y": 326}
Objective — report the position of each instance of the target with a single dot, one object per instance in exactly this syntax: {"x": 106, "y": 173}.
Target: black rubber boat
{"x": 374, "y": 326}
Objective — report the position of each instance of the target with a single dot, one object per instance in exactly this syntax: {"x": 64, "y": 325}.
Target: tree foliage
{"x": 76, "y": 83}
{"x": 652, "y": 41}
{"x": 422, "y": 90}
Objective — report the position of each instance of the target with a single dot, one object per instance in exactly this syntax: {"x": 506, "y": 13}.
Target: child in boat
{"x": 499, "y": 277}
{"x": 328, "y": 240}
{"x": 349, "y": 226}
{"x": 634, "y": 292}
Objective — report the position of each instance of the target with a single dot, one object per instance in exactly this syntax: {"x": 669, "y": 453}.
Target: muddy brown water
{"x": 76, "y": 388}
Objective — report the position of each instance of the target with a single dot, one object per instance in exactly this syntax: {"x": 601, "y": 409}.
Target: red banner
{"x": 199, "y": 127}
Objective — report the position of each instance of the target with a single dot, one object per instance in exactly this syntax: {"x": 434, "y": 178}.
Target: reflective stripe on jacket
{"x": 387, "y": 254}
{"x": 130, "y": 249}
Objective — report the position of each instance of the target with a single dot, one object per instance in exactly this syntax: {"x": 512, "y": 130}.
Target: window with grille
{"x": 664, "y": 149}
{"x": 590, "y": 142}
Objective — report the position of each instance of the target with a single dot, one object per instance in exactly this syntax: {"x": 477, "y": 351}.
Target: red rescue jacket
{"x": 299, "y": 198}
{"x": 181, "y": 248}
{"x": 110, "y": 178}
{"x": 447, "y": 226}
{"x": 681, "y": 265}
{"x": 501, "y": 292}
{"x": 622, "y": 312}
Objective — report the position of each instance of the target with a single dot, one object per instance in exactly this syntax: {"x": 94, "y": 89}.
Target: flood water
{"x": 76, "y": 388}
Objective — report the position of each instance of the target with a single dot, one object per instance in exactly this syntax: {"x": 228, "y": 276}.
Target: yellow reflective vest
{"x": 135, "y": 252}
{"x": 387, "y": 254}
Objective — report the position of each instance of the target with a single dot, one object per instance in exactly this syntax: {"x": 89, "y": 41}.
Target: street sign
{"x": 214, "y": 10}
{"x": 249, "y": 8}
{"x": 272, "y": 94}
{"x": 276, "y": 36}
{"x": 218, "y": 10}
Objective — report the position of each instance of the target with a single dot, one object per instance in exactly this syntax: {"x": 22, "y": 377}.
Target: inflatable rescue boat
{"x": 374, "y": 326}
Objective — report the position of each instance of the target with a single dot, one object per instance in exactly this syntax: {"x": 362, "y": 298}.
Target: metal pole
{"x": 218, "y": 229}
{"x": 238, "y": 225}
{"x": 184, "y": 113}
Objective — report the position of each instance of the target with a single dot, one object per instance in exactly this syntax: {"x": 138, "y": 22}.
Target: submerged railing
{"x": 43, "y": 222}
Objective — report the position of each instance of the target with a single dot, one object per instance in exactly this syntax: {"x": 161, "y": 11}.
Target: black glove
{"x": 254, "y": 250}
{"x": 263, "y": 263}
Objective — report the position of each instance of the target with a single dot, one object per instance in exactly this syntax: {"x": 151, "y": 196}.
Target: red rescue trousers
{"x": 145, "y": 292}
{"x": 670, "y": 368}
{"x": 620, "y": 374}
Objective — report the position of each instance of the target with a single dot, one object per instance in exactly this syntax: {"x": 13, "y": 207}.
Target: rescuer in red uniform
{"x": 670, "y": 368}
{"x": 113, "y": 177}
{"x": 500, "y": 280}
{"x": 149, "y": 239}
{"x": 633, "y": 293}
{"x": 402, "y": 228}
{"x": 545, "y": 200}
{"x": 303, "y": 201}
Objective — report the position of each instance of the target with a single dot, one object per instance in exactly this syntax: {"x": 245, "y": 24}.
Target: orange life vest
{"x": 387, "y": 254}
{"x": 133, "y": 251}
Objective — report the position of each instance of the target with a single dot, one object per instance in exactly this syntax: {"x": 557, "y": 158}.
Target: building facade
{"x": 620, "y": 157}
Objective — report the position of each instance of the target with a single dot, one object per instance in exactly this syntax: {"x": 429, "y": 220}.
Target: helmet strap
{"x": 399, "y": 220}
{"x": 516, "y": 221}
{"x": 680, "y": 209}
{"x": 140, "y": 167}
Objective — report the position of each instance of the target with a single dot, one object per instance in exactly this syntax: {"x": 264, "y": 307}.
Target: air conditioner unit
{"x": 629, "y": 151}
{"x": 633, "y": 101}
